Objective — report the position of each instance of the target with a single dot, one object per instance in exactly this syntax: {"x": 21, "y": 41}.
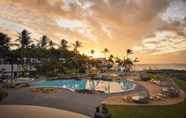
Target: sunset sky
{"x": 154, "y": 29}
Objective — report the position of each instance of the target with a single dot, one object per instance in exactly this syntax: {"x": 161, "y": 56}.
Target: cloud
{"x": 161, "y": 43}
{"x": 170, "y": 35}
{"x": 74, "y": 25}
{"x": 69, "y": 24}
{"x": 107, "y": 30}
{"x": 68, "y": 4}
{"x": 9, "y": 25}
{"x": 81, "y": 6}
{"x": 16, "y": 27}
{"x": 54, "y": 2}
{"x": 176, "y": 11}
{"x": 92, "y": 21}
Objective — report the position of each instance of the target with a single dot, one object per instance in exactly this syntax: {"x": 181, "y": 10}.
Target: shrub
{"x": 3, "y": 94}
{"x": 154, "y": 77}
{"x": 82, "y": 70}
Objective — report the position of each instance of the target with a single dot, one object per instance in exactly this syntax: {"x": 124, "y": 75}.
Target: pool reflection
{"x": 98, "y": 85}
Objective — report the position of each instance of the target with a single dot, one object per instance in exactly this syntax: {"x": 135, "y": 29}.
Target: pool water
{"x": 97, "y": 85}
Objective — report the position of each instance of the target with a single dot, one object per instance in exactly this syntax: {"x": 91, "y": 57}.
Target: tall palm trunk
{"x": 12, "y": 71}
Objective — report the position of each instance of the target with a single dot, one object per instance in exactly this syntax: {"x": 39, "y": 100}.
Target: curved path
{"x": 22, "y": 111}
{"x": 67, "y": 100}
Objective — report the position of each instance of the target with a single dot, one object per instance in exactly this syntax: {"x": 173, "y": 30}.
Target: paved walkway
{"x": 22, "y": 111}
{"x": 70, "y": 101}
{"x": 67, "y": 100}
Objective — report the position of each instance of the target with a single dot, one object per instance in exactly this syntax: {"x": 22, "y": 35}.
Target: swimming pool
{"x": 117, "y": 86}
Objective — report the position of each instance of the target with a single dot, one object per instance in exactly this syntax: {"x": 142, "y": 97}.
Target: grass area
{"x": 175, "y": 111}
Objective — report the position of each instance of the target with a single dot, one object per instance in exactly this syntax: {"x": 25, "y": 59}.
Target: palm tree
{"x": 25, "y": 42}
{"x": 128, "y": 63}
{"x": 111, "y": 57}
{"x": 4, "y": 45}
{"x": 118, "y": 61}
{"x": 77, "y": 45}
{"x": 4, "y": 40}
{"x": 105, "y": 51}
{"x": 136, "y": 60}
{"x": 54, "y": 53}
{"x": 5, "y": 52}
{"x": 92, "y": 52}
{"x": 4, "y": 49}
{"x": 64, "y": 44}
{"x": 44, "y": 41}
{"x": 129, "y": 52}
{"x": 51, "y": 44}
{"x": 24, "y": 39}
{"x": 111, "y": 61}
{"x": 76, "y": 57}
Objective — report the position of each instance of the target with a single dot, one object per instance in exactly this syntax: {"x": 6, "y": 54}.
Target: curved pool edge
{"x": 132, "y": 88}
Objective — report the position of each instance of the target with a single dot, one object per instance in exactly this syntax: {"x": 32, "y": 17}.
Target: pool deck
{"x": 70, "y": 101}
{"x": 65, "y": 100}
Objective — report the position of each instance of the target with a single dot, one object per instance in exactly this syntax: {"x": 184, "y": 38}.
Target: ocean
{"x": 137, "y": 67}
{"x": 140, "y": 67}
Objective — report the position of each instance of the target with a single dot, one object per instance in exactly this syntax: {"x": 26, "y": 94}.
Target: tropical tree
{"x": 64, "y": 44}
{"x": 4, "y": 45}
{"x": 51, "y": 44}
{"x": 128, "y": 63}
{"x": 129, "y": 52}
{"x": 5, "y": 52}
{"x": 53, "y": 52}
{"x": 136, "y": 60}
{"x": 12, "y": 59}
{"x": 76, "y": 57}
{"x": 24, "y": 39}
{"x": 4, "y": 40}
{"x": 44, "y": 41}
{"x": 118, "y": 61}
{"x": 105, "y": 51}
{"x": 92, "y": 52}
{"x": 77, "y": 45}
{"x": 111, "y": 59}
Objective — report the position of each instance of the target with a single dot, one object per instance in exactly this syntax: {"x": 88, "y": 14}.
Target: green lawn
{"x": 175, "y": 111}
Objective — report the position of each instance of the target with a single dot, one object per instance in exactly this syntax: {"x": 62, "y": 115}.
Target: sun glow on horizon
{"x": 154, "y": 29}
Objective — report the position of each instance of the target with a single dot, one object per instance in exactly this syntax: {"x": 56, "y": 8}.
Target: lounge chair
{"x": 140, "y": 99}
